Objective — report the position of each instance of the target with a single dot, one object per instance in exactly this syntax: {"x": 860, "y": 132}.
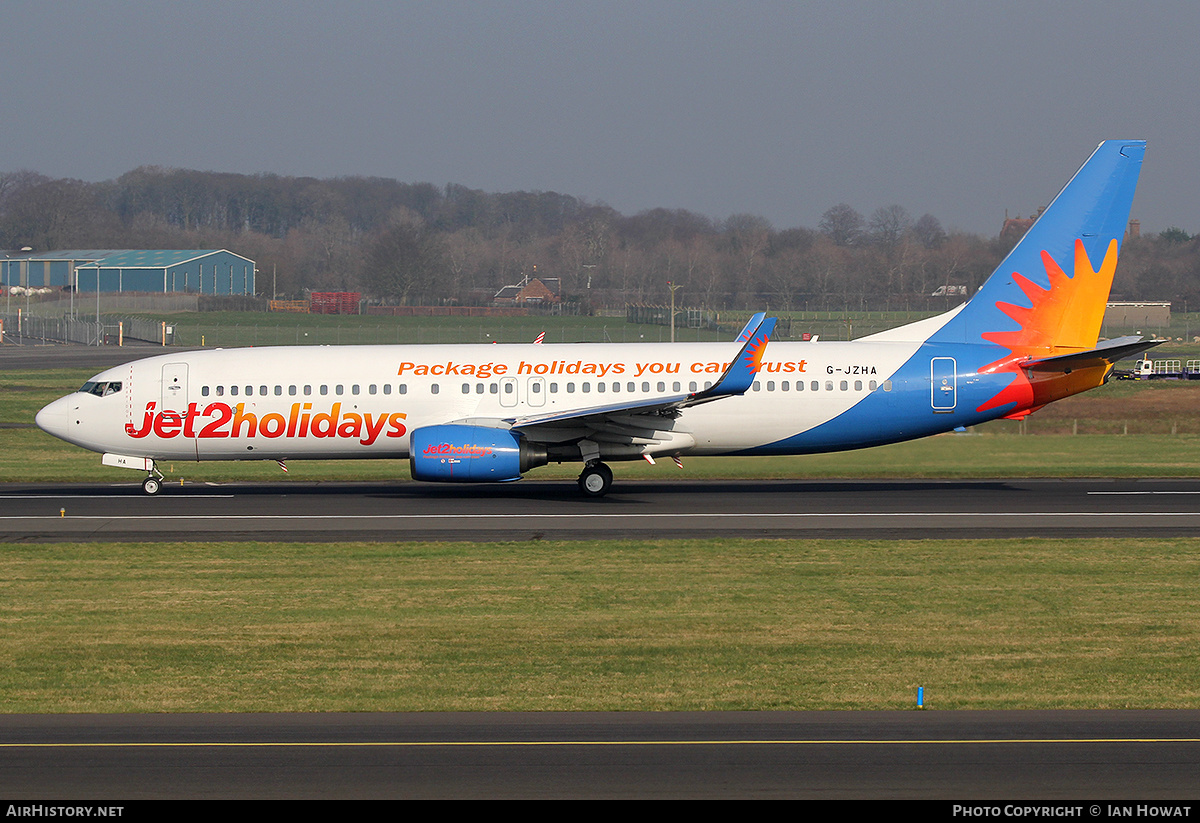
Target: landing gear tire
{"x": 151, "y": 485}
{"x": 596, "y": 480}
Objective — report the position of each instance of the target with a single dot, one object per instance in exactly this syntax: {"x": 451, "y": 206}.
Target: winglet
{"x": 751, "y": 325}
{"x": 739, "y": 375}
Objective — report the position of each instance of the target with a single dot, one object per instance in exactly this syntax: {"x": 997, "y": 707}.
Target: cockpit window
{"x": 101, "y": 389}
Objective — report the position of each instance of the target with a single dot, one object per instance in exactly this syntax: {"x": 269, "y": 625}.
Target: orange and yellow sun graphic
{"x": 754, "y": 354}
{"x": 1064, "y": 318}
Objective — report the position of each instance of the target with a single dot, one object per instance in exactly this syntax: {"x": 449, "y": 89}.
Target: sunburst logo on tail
{"x": 754, "y": 353}
{"x": 1065, "y": 317}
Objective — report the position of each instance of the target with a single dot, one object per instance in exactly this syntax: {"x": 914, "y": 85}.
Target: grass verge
{"x": 718, "y": 624}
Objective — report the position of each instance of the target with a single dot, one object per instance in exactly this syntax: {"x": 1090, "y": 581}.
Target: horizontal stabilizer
{"x": 1110, "y": 351}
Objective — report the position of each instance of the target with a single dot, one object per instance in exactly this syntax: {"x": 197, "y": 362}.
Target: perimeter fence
{"x": 58, "y": 329}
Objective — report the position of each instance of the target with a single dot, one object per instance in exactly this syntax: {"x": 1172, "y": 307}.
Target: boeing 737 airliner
{"x": 472, "y": 413}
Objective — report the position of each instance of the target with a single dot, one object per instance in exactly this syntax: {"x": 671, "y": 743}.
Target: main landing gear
{"x": 596, "y": 479}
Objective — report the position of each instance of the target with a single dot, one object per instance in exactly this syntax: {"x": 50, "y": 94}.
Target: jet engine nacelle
{"x": 471, "y": 454}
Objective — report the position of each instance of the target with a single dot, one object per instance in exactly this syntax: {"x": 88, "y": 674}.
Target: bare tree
{"x": 841, "y": 224}
{"x": 888, "y": 226}
{"x": 405, "y": 261}
{"x": 928, "y": 231}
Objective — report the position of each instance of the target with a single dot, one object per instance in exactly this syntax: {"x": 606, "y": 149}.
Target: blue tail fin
{"x": 1050, "y": 292}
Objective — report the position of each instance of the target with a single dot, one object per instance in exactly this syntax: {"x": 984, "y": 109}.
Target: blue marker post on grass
{"x": 920, "y": 697}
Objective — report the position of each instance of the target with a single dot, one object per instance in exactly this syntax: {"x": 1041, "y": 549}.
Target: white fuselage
{"x": 361, "y": 401}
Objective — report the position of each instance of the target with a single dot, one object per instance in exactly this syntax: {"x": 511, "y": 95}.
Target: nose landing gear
{"x": 153, "y": 484}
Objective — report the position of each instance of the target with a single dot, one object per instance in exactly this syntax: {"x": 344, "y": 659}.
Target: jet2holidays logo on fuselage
{"x": 223, "y": 420}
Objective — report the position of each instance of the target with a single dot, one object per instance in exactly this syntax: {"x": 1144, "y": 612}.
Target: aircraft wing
{"x": 645, "y": 419}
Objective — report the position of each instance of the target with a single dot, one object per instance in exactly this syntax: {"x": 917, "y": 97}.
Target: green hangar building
{"x": 192, "y": 271}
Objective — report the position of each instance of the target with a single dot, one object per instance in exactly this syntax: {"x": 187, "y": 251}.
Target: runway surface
{"x": 535, "y": 510}
{"x": 31, "y": 353}
{"x": 1001, "y": 756}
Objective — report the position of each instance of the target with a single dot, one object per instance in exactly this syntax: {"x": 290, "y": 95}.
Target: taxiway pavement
{"x": 1006, "y": 757}
{"x": 534, "y": 510}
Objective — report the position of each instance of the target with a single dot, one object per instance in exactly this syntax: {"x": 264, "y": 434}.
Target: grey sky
{"x": 774, "y": 108}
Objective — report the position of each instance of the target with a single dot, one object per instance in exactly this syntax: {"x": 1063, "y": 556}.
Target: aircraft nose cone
{"x": 55, "y": 418}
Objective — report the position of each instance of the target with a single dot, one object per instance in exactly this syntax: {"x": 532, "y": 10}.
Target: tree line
{"x": 420, "y": 244}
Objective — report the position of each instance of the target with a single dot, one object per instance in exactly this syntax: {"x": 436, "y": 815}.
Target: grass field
{"x": 228, "y": 328}
{"x": 599, "y": 626}
{"x": 261, "y": 329}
